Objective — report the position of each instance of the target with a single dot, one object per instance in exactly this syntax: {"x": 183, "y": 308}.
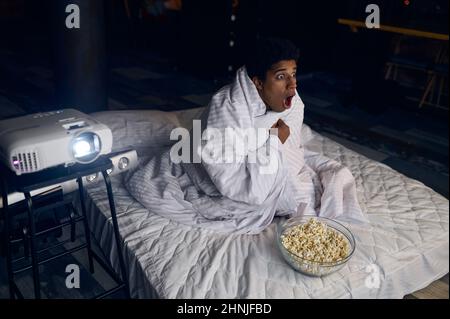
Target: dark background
{"x": 196, "y": 39}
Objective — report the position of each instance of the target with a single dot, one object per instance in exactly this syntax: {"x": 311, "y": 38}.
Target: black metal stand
{"x": 29, "y": 182}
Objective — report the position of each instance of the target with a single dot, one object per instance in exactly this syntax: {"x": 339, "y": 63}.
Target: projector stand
{"x": 29, "y": 182}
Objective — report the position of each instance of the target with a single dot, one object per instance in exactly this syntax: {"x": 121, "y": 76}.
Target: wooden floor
{"x": 437, "y": 290}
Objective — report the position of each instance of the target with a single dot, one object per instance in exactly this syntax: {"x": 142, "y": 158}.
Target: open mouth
{"x": 288, "y": 101}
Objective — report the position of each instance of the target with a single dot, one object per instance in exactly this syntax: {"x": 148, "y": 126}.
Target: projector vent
{"x": 28, "y": 162}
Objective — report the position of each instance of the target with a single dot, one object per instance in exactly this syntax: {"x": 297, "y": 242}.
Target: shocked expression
{"x": 279, "y": 87}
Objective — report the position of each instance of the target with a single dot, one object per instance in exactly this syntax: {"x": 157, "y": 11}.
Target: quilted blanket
{"x": 404, "y": 247}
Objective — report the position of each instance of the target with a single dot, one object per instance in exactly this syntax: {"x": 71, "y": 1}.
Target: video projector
{"x": 32, "y": 143}
{"x": 35, "y": 142}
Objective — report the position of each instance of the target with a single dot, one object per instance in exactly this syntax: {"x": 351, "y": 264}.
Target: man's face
{"x": 278, "y": 89}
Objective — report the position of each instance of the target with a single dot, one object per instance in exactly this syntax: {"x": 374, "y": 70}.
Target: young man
{"x": 250, "y": 160}
{"x": 273, "y": 71}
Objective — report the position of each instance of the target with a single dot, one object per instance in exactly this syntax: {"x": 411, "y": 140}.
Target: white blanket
{"x": 237, "y": 197}
{"x": 403, "y": 249}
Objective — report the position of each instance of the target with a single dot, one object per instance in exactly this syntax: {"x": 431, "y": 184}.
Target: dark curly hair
{"x": 265, "y": 52}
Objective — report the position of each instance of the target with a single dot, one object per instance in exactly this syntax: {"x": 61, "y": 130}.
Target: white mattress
{"x": 405, "y": 248}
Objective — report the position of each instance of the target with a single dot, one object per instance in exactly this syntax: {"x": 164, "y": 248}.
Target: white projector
{"x": 121, "y": 161}
{"x": 32, "y": 143}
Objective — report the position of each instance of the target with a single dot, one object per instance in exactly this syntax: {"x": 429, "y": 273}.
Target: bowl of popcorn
{"x": 315, "y": 246}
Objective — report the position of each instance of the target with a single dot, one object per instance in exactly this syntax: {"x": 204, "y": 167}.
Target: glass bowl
{"x": 310, "y": 267}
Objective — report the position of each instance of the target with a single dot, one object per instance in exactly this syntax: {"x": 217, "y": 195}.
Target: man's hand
{"x": 282, "y": 130}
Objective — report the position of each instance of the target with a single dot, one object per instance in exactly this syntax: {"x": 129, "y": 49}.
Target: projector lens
{"x": 82, "y": 148}
{"x": 86, "y": 147}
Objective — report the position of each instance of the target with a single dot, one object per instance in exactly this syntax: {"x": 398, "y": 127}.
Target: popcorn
{"x": 316, "y": 242}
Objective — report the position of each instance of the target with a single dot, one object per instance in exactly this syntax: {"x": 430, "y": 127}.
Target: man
{"x": 251, "y": 163}
{"x": 273, "y": 71}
